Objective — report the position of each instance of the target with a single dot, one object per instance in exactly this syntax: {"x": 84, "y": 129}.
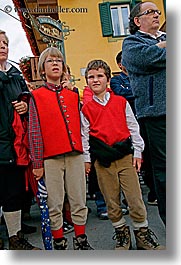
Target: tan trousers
{"x": 122, "y": 175}
{"x": 66, "y": 172}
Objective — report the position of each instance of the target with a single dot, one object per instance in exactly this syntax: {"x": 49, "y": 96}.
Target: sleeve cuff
{"x": 87, "y": 158}
{"x": 137, "y": 154}
{"x": 38, "y": 164}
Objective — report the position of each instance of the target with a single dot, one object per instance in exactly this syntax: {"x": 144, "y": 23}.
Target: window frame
{"x": 119, "y": 7}
{"x": 106, "y": 18}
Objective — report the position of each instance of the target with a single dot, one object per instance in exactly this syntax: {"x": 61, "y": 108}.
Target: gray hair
{"x": 4, "y": 33}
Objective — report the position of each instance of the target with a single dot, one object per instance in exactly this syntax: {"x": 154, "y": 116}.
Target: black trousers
{"x": 155, "y": 128}
{"x": 147, "y": 164}
{"x": 12, "y": 187}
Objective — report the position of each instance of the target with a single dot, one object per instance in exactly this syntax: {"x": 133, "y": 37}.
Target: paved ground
{"x": 100, "y": 232}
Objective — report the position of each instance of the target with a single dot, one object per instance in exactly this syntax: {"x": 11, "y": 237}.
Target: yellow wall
{"x": 86, "y": 42}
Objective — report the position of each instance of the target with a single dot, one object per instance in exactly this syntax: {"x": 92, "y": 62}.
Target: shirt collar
{"x": 53, "y": 87}
{"x": 105, "y": 99}
{"x": 8, "y": 66}
{"x": 158, "y": 34}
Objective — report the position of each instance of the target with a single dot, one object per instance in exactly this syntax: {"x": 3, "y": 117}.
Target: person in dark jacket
{"x": 11, "y": 175}
{"x": 120, "y": 84}
{"x": 144, "y": 56}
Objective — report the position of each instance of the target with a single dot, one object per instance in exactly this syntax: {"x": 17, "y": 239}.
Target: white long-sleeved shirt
{"x": 132, "y": 124}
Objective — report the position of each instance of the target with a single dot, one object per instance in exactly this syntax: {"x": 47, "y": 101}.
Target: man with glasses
{"x": 144, "y": 56}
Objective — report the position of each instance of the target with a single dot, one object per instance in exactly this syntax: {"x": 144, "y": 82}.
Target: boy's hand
{"x": 137, "y": 163}
{"x": 67, "y": 84}
{"x": 87, "y": 167}
{"x": 21, "y": 107}
{"x": 38, "y": 173}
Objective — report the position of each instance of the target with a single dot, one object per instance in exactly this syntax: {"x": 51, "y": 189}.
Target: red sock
{"x": 68, "y": 217}
{"x": 79, "y": 230}
{"x": 58, "y": 233}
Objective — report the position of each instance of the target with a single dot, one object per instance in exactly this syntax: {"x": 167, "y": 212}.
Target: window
{"x": 115, "y": 17}
{"x": 119, "y": 17}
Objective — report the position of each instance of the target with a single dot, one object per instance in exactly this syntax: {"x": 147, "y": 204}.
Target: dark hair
{"x": 96, "y": 64}
{"x": 133, "y": 28}
{"x": 119, "y": 57}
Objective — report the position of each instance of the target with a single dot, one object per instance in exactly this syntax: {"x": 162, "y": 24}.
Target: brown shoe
{"x": 145, "y": 241}
{"x": 123, "y": 237}
{"x": 18, "y": 242}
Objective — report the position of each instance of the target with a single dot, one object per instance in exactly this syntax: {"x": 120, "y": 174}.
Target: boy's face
{"x": 97, "y": 81}
{"x": 53, "y": 69}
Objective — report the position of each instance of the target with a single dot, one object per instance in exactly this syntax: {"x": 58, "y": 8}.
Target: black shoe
{"x": 67, "y": 228}
{"x": 60, "y": 243}
{"x": 125, "y": 211}
{"x": 27, "y": 229}
{"x": 81, "y": 243}
{"x": 18, "y": 242}
{"x": 103, "y": 216}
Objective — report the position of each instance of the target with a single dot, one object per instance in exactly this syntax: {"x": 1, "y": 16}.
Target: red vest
{"x": 107, "y": 123}
{"x": 59, "y": 119}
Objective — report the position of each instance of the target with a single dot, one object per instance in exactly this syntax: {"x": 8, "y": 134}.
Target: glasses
{"x": 51, "y": 61}
{"x": 150, "y": 12}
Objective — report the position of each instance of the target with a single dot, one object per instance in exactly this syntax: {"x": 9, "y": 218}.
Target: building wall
{"x": 86, "y": 42}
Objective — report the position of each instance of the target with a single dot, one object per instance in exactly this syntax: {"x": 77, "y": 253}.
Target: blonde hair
{"x": 54, "y": 52}
{"x": 4, "y": 33}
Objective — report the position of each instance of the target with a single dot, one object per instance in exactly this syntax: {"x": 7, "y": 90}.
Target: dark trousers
{"x": 100, "y": 203}
{"x": 12, "y": 187}
{"x": 146, "y": 166}
{"x": 93, "y": 188}
{"x": 156, "y": 134}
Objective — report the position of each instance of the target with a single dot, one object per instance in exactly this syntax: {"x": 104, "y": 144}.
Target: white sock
{"x": 13, "y": 222}
{"x": 137, "y": 226}
{"x": 120, "y": 223}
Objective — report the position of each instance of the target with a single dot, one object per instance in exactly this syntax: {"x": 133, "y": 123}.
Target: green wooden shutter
{"x": 105, "y": 16}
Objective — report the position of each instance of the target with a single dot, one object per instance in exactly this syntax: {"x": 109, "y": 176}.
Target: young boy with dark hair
{"x": 110, "y": 129}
